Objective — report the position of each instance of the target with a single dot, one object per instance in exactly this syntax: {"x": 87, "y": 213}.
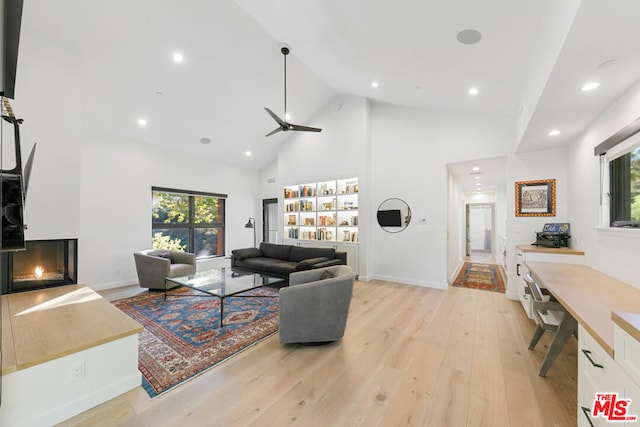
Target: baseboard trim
{"x": 405, "y": 281}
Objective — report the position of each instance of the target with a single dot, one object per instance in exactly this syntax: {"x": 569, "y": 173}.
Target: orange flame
{"x": 39, "y": 271}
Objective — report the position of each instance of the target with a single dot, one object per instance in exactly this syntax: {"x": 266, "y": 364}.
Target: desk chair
{"x": 549, "y": 315}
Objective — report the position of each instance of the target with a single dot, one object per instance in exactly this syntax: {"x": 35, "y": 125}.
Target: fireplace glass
{"x": 44, "y": 264}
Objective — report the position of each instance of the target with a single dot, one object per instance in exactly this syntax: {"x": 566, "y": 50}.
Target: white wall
{"x": 410, "y": 149}
{"x": 48, "y": 98}
{"x": 115, "y": 221}
{"x": 339, "y": 151}
{"x": 547, "y": 164}
{"x": 89, "y": 185}
{"x": 615, "y": 254}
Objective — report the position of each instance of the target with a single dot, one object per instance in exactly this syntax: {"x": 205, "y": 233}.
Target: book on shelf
{"x": 309, "y": 221}
{"x": 293, "y": 233}
{"x": 290, "y": 193}
{"x": 307, "y": 191}
{"x": 307, "y": 205}
{"x": 292, "y": 220}
{"x": 349, "y": 236}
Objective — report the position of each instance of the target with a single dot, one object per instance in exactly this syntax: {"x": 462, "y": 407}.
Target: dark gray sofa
{"x": 281, "y": 260}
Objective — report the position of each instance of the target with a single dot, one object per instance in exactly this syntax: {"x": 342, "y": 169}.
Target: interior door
{"x": 270, "y": 220}
{"x": 479, "y": 229}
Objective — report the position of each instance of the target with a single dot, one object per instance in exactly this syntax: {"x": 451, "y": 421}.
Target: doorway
{"x": 270, "y": 220}
{"x": 479, "y": 236}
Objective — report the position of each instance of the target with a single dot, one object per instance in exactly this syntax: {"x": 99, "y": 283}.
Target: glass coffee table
{"x": 222, "y": 283}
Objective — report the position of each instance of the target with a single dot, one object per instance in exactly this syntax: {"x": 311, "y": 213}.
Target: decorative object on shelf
{"x": 324, "y": 210}
{"x": 536, "y": 198}
{"x": 252, "y": 224}
{"x": 283, "y": 125}
{"x": 394, "y": 215}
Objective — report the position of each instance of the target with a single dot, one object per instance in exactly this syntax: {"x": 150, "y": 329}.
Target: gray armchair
{"x": 153, "y": 266}
{"x": 315, "y": 305}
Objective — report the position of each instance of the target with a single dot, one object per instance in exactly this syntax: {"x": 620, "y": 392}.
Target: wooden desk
{"x": 595, "y": 300}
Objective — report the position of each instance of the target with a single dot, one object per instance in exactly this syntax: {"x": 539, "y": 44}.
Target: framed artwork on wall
{"x": 536, "y": 198}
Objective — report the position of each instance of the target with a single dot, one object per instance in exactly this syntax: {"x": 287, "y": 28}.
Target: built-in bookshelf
{"x": 324, "y": 210}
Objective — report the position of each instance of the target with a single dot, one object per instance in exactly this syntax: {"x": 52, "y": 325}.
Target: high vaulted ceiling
{"x": 530, "y": 63}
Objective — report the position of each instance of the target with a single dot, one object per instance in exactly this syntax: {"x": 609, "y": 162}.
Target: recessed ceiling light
{"x": 205, "y": 140}
{"x": 374, "y": 84}
{"x": 477, "y": 183}
{"x": 473, "y": 91}
{"x": 177, "y": 57}
{"x": 589, "y": 86}
{"x": 475, "y": 168}
{"x": 476, "y": 177}
{"x": 554, "y": 132}
{"x": 469, "y": 36}
{"x": 142, "y": 122}
{"x": 247, "y": 153}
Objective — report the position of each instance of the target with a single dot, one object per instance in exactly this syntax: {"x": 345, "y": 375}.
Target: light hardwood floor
{"x": 410, "y": 356}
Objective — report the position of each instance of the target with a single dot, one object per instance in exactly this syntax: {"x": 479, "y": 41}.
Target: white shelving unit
{"x": 323, "y": 214}
{"x": 322, "y": 211}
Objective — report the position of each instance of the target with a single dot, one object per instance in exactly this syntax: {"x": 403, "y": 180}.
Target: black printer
{"x": 553, "y": 235}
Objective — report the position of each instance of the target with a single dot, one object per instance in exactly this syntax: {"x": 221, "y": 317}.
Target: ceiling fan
{"x": 283, "y": 125}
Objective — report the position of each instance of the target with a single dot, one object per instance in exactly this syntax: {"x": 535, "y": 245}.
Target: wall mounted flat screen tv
{"x": 390, "y": 218}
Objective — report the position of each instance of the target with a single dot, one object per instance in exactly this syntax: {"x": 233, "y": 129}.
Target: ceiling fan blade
{"x": 276, "y": 118}
{"x": 276, "y": 130}
{"x": 304, "y": 128}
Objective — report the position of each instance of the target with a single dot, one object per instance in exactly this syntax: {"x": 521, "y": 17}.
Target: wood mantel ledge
{"x": 39, "y": 326}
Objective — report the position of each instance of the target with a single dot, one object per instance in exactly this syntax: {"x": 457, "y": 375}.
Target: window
{"x": 188, "y": 221}
{"x": 624, "y": 189}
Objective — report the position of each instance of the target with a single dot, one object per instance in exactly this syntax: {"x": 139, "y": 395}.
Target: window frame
{"x": 191, "y": 225}
{"x": 623, "y": 147}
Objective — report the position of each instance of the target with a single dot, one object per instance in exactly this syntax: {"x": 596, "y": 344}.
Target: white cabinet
{"x": 596, "y": 370}
{"x": 526, "y": 253}
{"x": 600, "y": 373}
{"x": 627, "y": 374}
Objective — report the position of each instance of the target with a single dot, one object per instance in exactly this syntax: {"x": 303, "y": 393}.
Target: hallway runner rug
{"x": 182, "y": 337}
{"x": 486, "y": 277}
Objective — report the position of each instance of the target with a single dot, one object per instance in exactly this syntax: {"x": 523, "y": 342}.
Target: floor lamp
{"x": 252, "y": 224}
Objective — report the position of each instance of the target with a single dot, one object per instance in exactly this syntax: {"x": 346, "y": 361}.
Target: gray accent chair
{"x": 153, "y": 266}
{"x": 315, "y": 305}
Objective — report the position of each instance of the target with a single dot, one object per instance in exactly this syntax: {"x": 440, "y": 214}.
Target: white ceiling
{"x": 233, "y": 66}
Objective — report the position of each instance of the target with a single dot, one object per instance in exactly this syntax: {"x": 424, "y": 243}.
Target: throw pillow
{"x": 326, "y": 275}
{"x": 241, "y": 254}
{"x": 161, "y": 253}
{"x": 309, "y": 263}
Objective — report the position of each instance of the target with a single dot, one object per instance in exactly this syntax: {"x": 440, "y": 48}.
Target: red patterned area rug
{"x": 182, "y": 337}
{"x": 480, "y": 276}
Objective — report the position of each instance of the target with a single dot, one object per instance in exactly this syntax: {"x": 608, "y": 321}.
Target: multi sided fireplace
{"x": 44, "y": 264}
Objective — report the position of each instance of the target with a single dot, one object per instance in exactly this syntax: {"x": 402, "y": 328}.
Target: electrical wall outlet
{"x": 77, "y": 372}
